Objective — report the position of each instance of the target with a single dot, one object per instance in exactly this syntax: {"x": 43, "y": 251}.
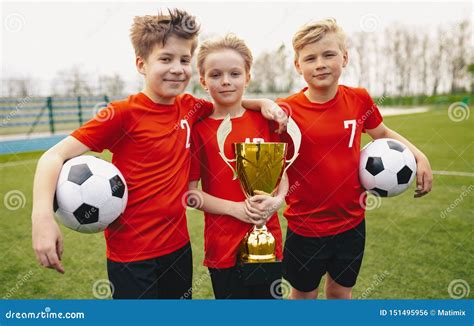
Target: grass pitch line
{"x": 454, "y": 173}
{"x": 16, "y": 163}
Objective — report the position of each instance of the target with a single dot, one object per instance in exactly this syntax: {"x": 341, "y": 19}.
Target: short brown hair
{"x": 148, "y": 31}
{"x": 229, "y": 41}
{"x": 314, "y": 31}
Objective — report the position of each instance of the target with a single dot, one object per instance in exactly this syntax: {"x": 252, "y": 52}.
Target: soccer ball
{"x": 90, "y": 194}
{"x": 387, "y": 167}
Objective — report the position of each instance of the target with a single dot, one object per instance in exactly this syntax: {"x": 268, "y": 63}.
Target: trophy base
{"x": 261, "y": 274}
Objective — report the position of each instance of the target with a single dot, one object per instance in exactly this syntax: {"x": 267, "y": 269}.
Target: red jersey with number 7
{"x": 325, "y": 196}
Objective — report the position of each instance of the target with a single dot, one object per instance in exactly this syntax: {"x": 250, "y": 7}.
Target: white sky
{"x": 40, "y": 38}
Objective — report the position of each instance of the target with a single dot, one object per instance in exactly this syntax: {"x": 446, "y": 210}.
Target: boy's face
{"x": 225, "y": 76}
{"x": 167, "y": 69}
{"x": 321, "y": 63}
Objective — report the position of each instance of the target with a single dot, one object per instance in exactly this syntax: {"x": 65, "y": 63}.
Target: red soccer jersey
{"x": 223, "y": 233}
{"x": 325, "y": 192}
{"x": 150, "y": 143}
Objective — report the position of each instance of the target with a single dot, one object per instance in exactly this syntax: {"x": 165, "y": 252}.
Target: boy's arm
{"x": 270, "y": 111}
{"x": 268, "y": 205}
{"x": 205, "y": 202}
{"x": 424, "y": 175}
{"x": 46, "y": 236}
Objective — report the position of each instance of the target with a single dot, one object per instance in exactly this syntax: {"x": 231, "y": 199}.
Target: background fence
{"x": 30, "y": 115}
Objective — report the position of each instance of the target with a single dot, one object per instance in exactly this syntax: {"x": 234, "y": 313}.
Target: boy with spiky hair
{"x": 148, "y": 249}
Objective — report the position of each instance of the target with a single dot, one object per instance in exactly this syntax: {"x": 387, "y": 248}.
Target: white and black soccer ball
{"x": 387, "y": 167}
{"x": 90, "y": 194}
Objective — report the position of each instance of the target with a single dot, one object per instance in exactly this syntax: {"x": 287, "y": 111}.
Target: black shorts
{"x": 166, "y": 277}
{"x": 260, "y": 281}
{"x": 307, "y": 259}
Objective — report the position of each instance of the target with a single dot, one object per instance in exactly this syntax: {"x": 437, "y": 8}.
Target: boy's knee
{"x": 336, "y": 291}
{"x": 300, "y": 295}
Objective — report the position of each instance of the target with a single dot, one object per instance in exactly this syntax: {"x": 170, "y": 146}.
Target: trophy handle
{"x": 295, "y": 134}
{"x": 222, "y": 132}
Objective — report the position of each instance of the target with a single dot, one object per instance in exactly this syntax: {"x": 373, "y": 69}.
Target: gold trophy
{"x": 259, "y": 167}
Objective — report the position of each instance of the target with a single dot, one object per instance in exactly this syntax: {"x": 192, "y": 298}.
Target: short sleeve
{"x": 280, "y": 100}
{"x": 371, "y": 113}
{"x": 103, "y": 131}
{"x": 196, "y": 148}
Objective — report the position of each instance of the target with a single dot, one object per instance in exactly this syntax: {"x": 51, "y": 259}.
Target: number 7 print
{"x": 352, "y": 123}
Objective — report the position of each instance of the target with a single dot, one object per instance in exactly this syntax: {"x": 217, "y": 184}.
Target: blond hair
{"x": 148, "y": 31}
{"x": 314, "y": 31}
{"x": 229, "y": 41}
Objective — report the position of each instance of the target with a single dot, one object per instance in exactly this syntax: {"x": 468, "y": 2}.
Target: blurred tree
{"x": 111, "y": 85}
{"x": 19, "y": 87}
{"x": 71, "y": 82}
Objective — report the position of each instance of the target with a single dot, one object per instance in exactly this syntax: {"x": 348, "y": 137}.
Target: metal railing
{"x": 34, "y": 114}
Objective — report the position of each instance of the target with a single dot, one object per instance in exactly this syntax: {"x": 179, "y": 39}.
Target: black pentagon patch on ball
{"x": 404, "y": 175}
{"x": 379, "y": 192}
{"x": 55, "y": 203}
{"x": 395, "y": 146}
{"x": 87, "y": 214}
{"x": 374, "y": 165}
{"x": 79, "y": 173}
{"x": 117, "y": 186}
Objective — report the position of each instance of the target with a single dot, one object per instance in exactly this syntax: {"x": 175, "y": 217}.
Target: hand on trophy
{"x": 245, "y": 213}
{"x": 264, "y": 205}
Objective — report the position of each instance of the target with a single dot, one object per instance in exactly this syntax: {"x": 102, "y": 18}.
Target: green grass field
{"x": 415, "y": 248}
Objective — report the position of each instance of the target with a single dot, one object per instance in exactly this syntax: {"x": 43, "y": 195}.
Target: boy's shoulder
{"x": 127, "y": 103}
{"x": 189, "y": 98}
{"x": 291, "y": 98}
{"x": 355, "y": 92}
{"x": 352, "y": 92}
{"x": 134, "y": 99}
